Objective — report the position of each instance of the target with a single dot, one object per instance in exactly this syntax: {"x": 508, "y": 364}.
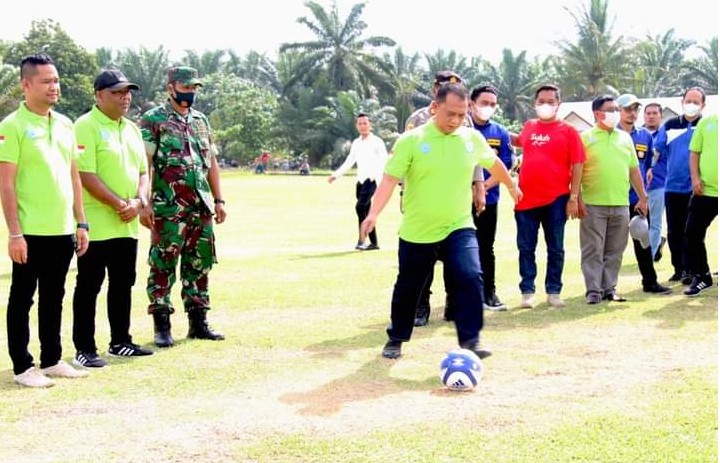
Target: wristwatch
{"x": 219, "y": 201}
{"x": 573, "y": 197}
{"x": 84, "y": 225}
{"x": 143, "y": 202}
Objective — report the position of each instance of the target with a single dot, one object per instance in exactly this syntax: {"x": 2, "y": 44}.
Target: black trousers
{"x": 364, "y": 192}
{"x": 45, "y": 271}
{"x": 676, "y": 214}
{"x": 118, "y": 256}
{"x": 486, "y": 229}
{"x": 644, "y": 257}
{"x": 702, "y": 211}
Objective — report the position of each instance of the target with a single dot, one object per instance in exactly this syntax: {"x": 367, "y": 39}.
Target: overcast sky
{"x": 470, "y": 27}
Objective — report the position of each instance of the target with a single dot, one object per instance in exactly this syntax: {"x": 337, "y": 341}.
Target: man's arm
{"x": 17, "y": 247}
{"x": 500, "y": 172}
{"x": 346, "y": 165}
{"x": 214, "y": 181}
{"x": 573, "y": 209}
{"x": 81, "y": 235}
{"x": 639, "y": 186}
{"x": 697, "y": 185}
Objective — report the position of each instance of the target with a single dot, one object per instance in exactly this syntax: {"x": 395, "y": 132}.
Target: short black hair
{"x": 601, "y": 100}
{"x": 650, "y": 105}
{"x": 455, "y": 88}
{"x": 553, "y": 88}
{"x": 361, "y": 114}
{"x": 483, "y": 89}
{"x": 31, "y": 62}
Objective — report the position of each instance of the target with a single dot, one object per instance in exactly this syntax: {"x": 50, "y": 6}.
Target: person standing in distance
{"x": 483, "y": 104}
{"x": 550, "y": 173}
{"x": 42, "y": 203}
{"x": 113, "y": 170}
{"x": 185, "y": 196}
{"x": 655, "y": 181}
{"x": 437, "y": 161}
{"x": 369, "y": 153}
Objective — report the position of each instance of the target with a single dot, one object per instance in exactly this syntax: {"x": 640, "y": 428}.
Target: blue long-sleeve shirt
{"x": 673, "y": 142}
{"x": 498, "y": 138}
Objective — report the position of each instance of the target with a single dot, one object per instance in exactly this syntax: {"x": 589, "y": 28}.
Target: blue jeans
{"x": 656, "y": 206}
{"x": 459, "y": 253}
{"x": 552, "y": 218}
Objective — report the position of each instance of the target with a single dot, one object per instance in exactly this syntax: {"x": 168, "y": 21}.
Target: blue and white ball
{"x": 461, "y": 370}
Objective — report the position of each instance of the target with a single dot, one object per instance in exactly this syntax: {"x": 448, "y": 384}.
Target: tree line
{"x": 303, "y": 103}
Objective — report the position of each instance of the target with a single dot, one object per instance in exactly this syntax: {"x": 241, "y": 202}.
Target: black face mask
{"x": 184, "y": 97}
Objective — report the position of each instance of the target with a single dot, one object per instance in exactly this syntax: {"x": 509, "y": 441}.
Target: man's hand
{"x": 17, "y": 249}
{"x": 516, "y": 194}
{"x": 366, "y": 227}
{"x": 81, "y": 241}
{"x": 220, "y": 213}
{"x": 648, "y": 176}
{"x": 478, "y": 190}
{"x": 697, "y": 187}
{"x": 147, "y": 218}
{"x": 572, "y": 209}
{"x": 330, "y": 179}
{"x": 132, "y": 208}
{"x": 642, "y": 206}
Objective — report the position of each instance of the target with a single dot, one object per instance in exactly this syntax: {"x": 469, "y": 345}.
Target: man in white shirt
{"x": 369, "y": 152}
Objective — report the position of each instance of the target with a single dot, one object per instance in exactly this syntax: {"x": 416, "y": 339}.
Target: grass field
{"x": 300, "y": 377}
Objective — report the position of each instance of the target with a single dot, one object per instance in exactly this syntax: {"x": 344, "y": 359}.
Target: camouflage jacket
{"x": 422, "y": 115}
{"x": 183, "y": 153}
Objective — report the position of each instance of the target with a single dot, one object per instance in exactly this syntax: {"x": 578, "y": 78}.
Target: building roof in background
{"x": 579, "y": 113}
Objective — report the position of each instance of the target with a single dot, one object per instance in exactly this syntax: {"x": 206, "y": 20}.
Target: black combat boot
{"x": 163, "y": 338}
{"x": 199, "y": 328}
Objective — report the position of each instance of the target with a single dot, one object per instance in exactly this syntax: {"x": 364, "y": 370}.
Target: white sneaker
{"x": 528, "y": 301}
{"x": 555, "y": 301}
{"x": 32, "y": 377}
{"x": 63, "y": 370}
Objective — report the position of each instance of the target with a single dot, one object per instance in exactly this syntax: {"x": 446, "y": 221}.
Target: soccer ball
{"x": 461, "y": 370}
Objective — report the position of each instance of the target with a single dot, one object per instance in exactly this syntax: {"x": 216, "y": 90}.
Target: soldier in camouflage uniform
{"x": 416, "y": 119}
{"x": 185, "y": 196}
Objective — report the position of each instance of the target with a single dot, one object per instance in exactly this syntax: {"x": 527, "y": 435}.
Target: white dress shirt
{"x": 370, "y": 155}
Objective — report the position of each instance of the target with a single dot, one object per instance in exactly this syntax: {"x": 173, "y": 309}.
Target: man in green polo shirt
{"x": 41, "y": 200}
{"x": 704, "y": 202}
{"x": 610, "y": 168}
{"x": 436, "y": 162}
{"x": 113, "y": 170}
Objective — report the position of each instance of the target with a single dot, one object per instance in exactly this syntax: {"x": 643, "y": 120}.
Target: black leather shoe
{"x": 481, "y": 352}
{"x": 658, "y": 254}
{"x": 657, "y": 289}
{"x": 199, "y": 328}
{"x": 614, "y": 297}
{"x": 392, "y": 349}
{"x": 422, "y": 314}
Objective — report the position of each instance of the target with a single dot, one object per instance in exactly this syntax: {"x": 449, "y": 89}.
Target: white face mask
{"x": 691, "y": 109}
{"x": 484, "y": 113}
{"x": 546, "y": 111}
{"x": 611, "y": 119}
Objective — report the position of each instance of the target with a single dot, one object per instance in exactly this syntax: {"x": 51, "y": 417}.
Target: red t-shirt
{"x": 549, "y": 151}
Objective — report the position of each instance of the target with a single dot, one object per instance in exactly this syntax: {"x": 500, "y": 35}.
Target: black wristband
{"x": 83, "y": 225}
{"x": 219, "y": 201}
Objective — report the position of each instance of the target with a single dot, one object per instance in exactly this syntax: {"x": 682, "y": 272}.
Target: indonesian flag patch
{"x": 81, "y": 149}
{"x": 2, "y": 139}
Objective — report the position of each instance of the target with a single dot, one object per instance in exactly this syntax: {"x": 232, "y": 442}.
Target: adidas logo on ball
{"x": 461, "y": 370}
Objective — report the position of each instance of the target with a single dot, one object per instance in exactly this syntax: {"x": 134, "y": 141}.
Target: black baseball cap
{"x": 113, "y": 79}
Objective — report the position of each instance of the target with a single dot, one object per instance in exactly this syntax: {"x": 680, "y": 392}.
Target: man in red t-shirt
{"x": 552, "y": 164}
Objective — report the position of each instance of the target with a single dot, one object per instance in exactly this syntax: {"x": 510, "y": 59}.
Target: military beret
{"x": 183, "y": 74}
{"x": 447, "y": 76}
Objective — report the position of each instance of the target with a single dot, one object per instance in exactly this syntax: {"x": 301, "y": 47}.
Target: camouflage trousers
{"x": 191, "y": 239}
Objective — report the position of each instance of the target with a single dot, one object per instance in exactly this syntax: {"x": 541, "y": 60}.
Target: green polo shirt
{"x": 606, "y": 172}
{"x": 115, "y": 152}
{"x": 438, "y": 174}
{"x": 43, "y": 149}
{"x": 705, "y": 142}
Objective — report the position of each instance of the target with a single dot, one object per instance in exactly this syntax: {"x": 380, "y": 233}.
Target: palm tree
{"x": 661, "y": 59}
{"x": 339, "y": 51}
{"x": 516, "y": 79}
{"x": 405, "y": 78}
{"x": 147, "y": 68}
{"x": 254, "y": 67}
{"x": 10, "y": 94}
{"x": 703, "y": 71}
{"x": 597, "y": 63}
{"x": 209, "y": 62}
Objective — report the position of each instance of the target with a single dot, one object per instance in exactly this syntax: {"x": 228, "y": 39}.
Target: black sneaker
{"x": 88, "y": 360}
{"x": 686, "y": 278}
{"x": 128, "y": 349}
{"x": 657, "y": 289}
{"x": 494, "y": 303}
{"x": 422, "y": 314}
{"x": 658, "y": 253}
{"x": 675, "y": 277}
{"x": 699, "y": 284}
{"x": 392, "y": 349}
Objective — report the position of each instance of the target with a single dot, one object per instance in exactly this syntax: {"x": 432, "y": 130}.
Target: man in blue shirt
{"x": 483, "y": 104}
{"x": 655, "y": 182}
{"x": 673, "y": 143}
{"x": 643, "y": 141}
